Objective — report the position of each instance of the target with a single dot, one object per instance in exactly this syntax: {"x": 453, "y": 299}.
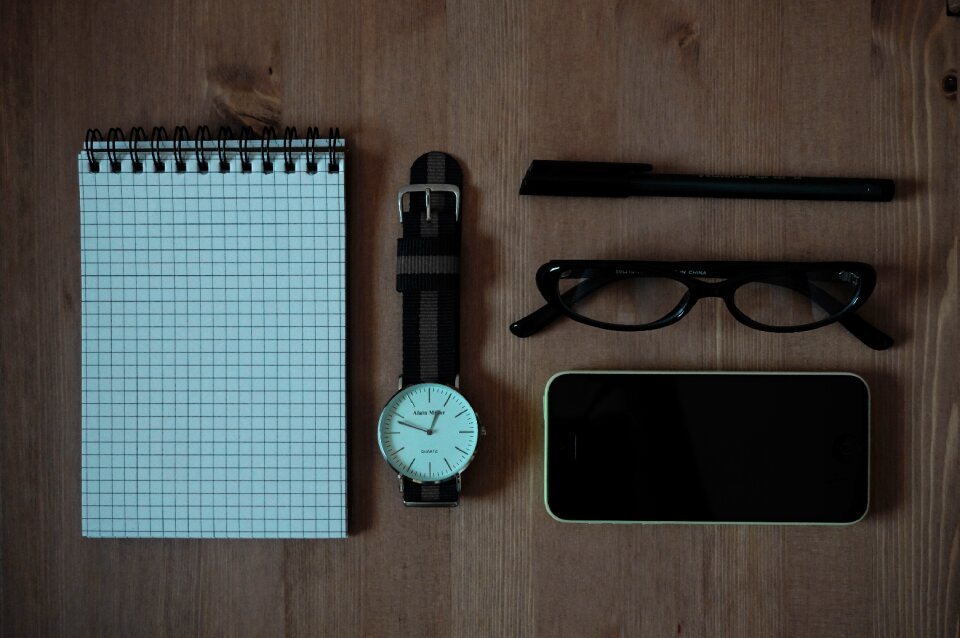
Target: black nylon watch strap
{"x": 445, "y": 493}
{"x": 428, "y": 274}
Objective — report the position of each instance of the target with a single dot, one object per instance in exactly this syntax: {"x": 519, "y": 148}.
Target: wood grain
{"x": 746, "y": 86}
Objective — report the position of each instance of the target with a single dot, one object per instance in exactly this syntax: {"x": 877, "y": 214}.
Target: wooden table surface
{"x": 813, "y": 87}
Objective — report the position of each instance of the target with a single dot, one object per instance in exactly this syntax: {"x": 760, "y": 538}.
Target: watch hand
{"x": 415, "y": 427}
{"x": 436, "y": 415}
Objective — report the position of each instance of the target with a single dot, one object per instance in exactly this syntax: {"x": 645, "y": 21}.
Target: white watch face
{"x": 428, "y": 432}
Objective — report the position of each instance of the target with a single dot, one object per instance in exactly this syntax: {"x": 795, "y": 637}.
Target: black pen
{"x": 615, "y": 179}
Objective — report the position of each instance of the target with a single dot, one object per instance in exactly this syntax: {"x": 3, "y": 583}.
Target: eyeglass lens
{"x": 797, "y": 299}
{"x": 600, "y": 295}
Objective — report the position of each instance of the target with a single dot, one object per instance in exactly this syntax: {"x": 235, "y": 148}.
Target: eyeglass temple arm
{"x": 866, "y": 332}
{"x": 859, "y": 327}
{"x": 547, "y": 313}
{"x": 856, "y": 325}
{"x": 534, "y": 322}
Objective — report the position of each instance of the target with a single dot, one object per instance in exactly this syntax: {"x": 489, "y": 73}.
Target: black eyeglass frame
{"x": 734, "y": 274}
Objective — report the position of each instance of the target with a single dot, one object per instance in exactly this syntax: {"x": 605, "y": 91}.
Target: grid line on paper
{"x": 213, "y": 353}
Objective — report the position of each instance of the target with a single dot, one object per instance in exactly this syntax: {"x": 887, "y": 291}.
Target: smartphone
{"x": 707, "y": 447}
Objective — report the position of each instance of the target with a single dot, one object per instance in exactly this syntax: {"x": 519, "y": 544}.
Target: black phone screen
{"x": 689, "y": 447}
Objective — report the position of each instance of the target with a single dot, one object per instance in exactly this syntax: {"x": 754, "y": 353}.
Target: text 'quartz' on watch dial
{"x": 428, "y": 432}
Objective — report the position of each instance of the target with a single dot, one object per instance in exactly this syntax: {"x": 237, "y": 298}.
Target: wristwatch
{"x": 428, "y": 431}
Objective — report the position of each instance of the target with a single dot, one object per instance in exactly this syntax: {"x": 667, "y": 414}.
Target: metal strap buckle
{"x": 428, "y": 188}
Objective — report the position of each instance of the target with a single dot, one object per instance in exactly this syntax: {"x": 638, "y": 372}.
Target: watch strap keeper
{"x": 443, "y": 493}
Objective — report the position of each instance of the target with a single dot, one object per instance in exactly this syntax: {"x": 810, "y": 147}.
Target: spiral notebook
{"x": 213, "y": 335}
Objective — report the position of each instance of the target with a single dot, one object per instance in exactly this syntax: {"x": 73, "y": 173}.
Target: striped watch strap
{"x": 428, "y": 274}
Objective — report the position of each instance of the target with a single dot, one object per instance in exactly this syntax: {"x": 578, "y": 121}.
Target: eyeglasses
{"x": 645, "y": 295}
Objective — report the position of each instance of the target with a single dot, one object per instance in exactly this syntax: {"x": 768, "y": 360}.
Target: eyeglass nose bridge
{"x": 723, "y": 289}
{"x": 697, "y": 290}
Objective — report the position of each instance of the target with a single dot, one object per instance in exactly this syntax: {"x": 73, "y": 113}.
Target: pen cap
{"x": 583, "y": 179}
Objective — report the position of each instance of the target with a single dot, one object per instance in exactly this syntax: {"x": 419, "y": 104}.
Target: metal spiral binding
{"x": 159, "y": 135}
{"x": 93, "y": 135}
{"x": 313, "y": 133}
{"x": 159, "y": 144}
{"x": 332, "y": 165}
{"x": 223, "y": 136}
{"x": 137, "y": 135}
{"x": 289, "y": 134}
{"x": 180, "y": 134}
{"x": 203, "y": 135}
{"x": 113, "y": 135}
{"x": 268, "y": 135}
{"x": 245, "y": 133}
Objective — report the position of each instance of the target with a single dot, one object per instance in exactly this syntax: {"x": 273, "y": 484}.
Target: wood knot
{"x": 949, "y": 85}
{"x": 246, "y": 97}
{"x": 687, "y": 35}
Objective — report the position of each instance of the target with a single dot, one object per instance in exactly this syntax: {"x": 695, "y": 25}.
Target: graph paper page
{"x": 213, "y": 352}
